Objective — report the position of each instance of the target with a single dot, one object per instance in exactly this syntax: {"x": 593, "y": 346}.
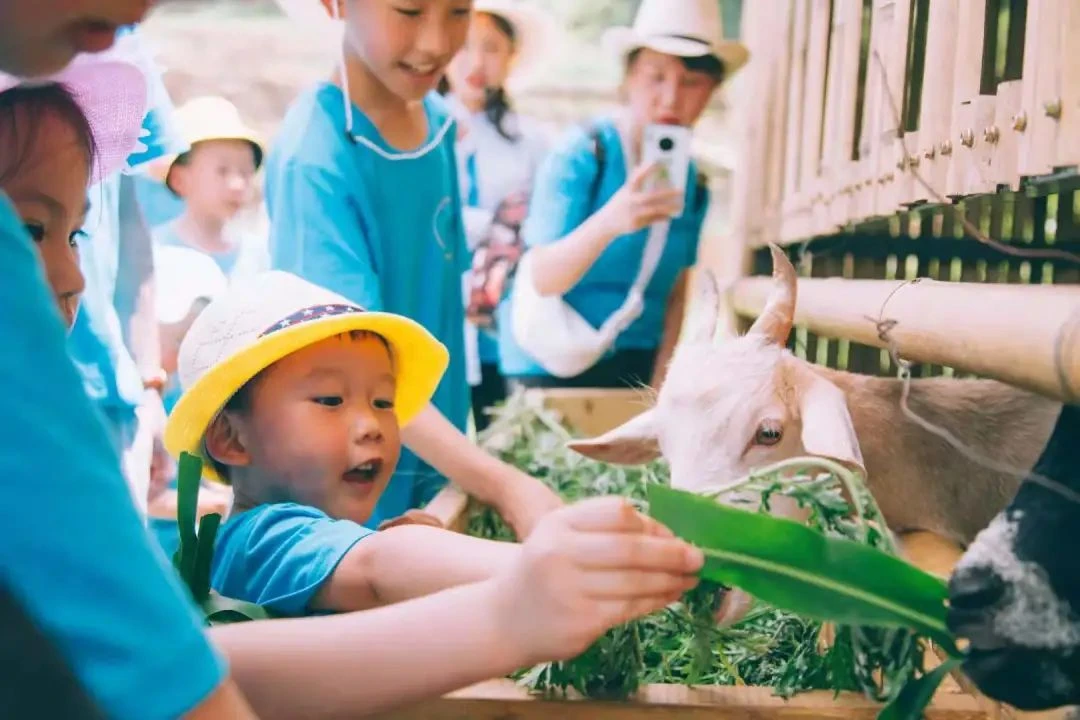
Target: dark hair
{"x": 497, "y": 104}
{"x": 240, "y": 401}
{"x": 22, "y": 131}
{"x": 708, "y": 64}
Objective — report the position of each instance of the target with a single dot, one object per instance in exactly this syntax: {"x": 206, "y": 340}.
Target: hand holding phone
{"x": 668, "y": 147}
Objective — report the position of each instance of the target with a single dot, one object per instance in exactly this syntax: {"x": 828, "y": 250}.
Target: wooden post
{"x": 1028, "y": 336}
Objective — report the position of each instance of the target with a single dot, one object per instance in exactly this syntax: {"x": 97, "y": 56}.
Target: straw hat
{"x": 112, "y": 95}
{"x": 535, "y": 31}
{"x": 184, "y": 275}
{"x": 265, "y": 317}
{"x": 684, "y": 28}
{"x": 206, "y": 118}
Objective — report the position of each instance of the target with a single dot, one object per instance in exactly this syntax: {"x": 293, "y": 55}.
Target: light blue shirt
{"x": 561, "y": 202}
{"x": 75, "y": 552}
{"x": 387, "y": 234}
{"x": 97, "y": 342}
{"x": 279, "y": 555}
{"x": 490, "y": 167}
{"x": 166, "y": 236}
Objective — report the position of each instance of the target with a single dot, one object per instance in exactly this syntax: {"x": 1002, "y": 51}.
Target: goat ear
{"x": 704, "y": 307}
{"x": 827, "y": 430}
{"x": 632, "y": 443}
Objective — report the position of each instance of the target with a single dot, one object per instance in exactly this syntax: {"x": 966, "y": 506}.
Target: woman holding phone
{"x": 598, "y": 199}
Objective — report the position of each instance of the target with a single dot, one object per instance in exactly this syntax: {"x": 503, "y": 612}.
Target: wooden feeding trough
{"x": 504, "y": 699}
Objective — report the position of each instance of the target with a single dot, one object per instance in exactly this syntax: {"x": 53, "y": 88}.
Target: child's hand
{"x": 635, "y": 206}
{"x": 586, "y": 568}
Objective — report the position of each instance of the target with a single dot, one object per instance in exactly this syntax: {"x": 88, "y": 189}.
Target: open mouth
{"x": 425, "y": 73}
{"x": 364, "y": 473}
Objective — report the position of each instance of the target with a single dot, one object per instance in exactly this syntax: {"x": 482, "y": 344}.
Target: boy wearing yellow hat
{"x": 296, "y": 397}
{"x": 215, "y": 178}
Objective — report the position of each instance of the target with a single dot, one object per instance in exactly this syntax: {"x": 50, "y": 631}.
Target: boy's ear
{"x": 225, "y": 442}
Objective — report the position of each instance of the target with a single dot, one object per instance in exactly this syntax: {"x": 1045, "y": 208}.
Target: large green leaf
{"x": 795, "y": 568}
{"x": 204, "y": 556}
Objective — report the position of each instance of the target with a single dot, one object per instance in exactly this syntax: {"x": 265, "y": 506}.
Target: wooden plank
{"x": 936, "y": 108}
{"x": 450, "y": 505}
{"x": 1004, "y": 135}
{"x": 1003, "y": 331}
{"x": 971, "y": 111}
{"x": 504, "y": 700}
{"x": 1043, "y": 59}
{"x": 748, "y": 192}
{"x": 1067, "y": 153}
{"x": 839, "y": 167}
{"x": 817, "y": 61}
{"x": 593, "y": 411}
{"x": 777, "y": 93}
{"x": 894, "y": 61}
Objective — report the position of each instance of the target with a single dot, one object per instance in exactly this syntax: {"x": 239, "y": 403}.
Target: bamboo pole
{"x": 1028, "y": 336}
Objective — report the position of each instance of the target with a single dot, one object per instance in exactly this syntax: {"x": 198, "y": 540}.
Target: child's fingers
{"x": 656, "y": 528}
{"x": 635, "y": 551}
{"x": 631, "y": 584}
{"x": 619, "y": 612}
{"x": 604, "y": 514}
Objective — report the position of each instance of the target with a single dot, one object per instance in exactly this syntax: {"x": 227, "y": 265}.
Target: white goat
{"x": 728, "y": 408}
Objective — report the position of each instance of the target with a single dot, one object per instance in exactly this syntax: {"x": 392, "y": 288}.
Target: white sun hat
{"x": 111, "y": 92}
{"x": 263, "y": 318}
{"x": 183, "y": 275}
{"x": 684, "y": 28}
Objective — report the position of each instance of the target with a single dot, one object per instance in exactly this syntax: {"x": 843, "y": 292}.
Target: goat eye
{"x": 768, "y": 433}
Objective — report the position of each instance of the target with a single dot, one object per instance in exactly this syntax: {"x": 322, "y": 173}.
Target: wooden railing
{"x": 903, "y": 139}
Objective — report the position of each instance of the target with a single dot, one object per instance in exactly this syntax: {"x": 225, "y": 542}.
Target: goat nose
{"x": 975, "y": 588}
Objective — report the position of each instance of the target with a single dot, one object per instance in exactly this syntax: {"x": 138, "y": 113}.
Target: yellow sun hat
{"x": 202, "y": 119}
{"x": 262, "y": 319}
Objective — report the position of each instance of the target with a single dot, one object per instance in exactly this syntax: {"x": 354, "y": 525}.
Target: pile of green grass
{"x": 680, "y": 644}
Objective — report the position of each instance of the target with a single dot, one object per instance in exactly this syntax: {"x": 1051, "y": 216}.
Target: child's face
{"x": 320, "y": 427}
{"x": 660, "y": 89}
{"x": 218, "y": 179}
{"x": 48, "y": 190}
{"x": 406, "y": 44}
{"x": 484, "y": 61}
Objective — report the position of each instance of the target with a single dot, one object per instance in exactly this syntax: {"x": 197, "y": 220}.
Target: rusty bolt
{"x": 1019, "y": 121}
{"x": 913, "y": 161}
{"x": 1053, "y": 108}
{"x": 967, "y": 138}
{"x": 889, "y": 177}
{"x": 991, "y": 134}
{"x": 930, "y": 152}
{"x": 901, "y": 164}
{"x": 946, "y": 147}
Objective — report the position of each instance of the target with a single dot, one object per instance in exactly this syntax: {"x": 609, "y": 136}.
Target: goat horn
{"x": 776, "y": 319}
{"x": 706, "y": 307}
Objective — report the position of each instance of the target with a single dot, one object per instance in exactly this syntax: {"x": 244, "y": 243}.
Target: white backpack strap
{"x": 634, "y": 304}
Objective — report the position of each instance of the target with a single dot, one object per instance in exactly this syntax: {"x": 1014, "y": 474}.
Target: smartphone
{"x": 668, "y": 146}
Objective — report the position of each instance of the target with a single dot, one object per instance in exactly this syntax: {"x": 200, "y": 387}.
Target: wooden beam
{"x": 503, "y": 699}
{"x": 1007, "y": 332}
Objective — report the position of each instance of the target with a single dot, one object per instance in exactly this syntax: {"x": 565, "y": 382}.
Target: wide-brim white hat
{"x": 684, "y": 28}
{"x": 263, "y": 318}
{"x": 536, "y": 33}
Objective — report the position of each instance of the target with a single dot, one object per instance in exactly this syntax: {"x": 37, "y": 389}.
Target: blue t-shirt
{"x": 279, "y": 555}
{"x": 75, "y": 552}
{"x": 385, "y": 233}
{"x": 561, "y": 201}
